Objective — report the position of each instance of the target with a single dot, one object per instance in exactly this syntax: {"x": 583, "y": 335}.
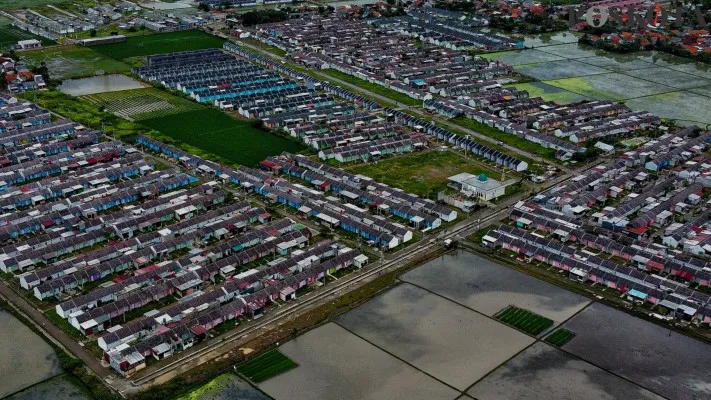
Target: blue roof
{"x": 637, "y": 293}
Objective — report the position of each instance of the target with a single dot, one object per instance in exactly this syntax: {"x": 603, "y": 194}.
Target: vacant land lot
{"x": 215, "y": 132}
{"x": 543, "y": 372}
{"x": 73, "y": 62}
{"x": 141, "y": 104}
{"x": 265, "y": 366}
{"x": 525, "y": 320}
{"x": 160, "y": 43}
{"x": 424, "y": 173}
{"x": 450, "y": 342}
{"x": 560, "y": 337}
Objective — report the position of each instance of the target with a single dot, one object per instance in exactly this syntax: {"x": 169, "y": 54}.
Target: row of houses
{"x": 584, "y": 266}
{"x": 381, "y": 52}
{"x": 162, "y": 333}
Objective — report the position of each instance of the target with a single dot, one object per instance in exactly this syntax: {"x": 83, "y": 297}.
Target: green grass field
{"x": 560, "y": 337}
{"x": 73, "y": 61}
{"x": 9, "y": 35}
{"x": 139, "y": 104}
{"x": 524, "y": 320}
{"x": 265, "y": 366}
{"x": 160, "y": 43}
{"x": 215, "y": 132}
{"x": 422, "y": 173}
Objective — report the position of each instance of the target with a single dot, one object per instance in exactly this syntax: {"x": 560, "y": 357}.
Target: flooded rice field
{"x": 26, "y": 358}
{"x": 559, "y": 69}
{"x": 335, "y": 364}
{"x": 538, "y": 40}
{"x": 669, "y": 86}
{"x": 543, "y": 372}
{"x": 656, "y": 358}
{"x": 487, "y": 287}
{"x": 57, "y": 388}
{"x": 522, "y": 57}
{"x": 452, "y": 343}
{"x": 433, "y": 337}
{"x": 227, "y": 386}
{"x": 99, "y": 84}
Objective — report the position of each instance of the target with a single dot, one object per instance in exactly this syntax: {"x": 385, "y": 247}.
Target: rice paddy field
{"x": 217, "y": 133}
{"x": 488, "y": 288}
{"x": 439, "y": 338}
{"x": 65, "y": 62}
{"x": 265, "y": 366}
{"x": 336, "y": 364}
{"x": 199, "y": 129}
{"x": 139, "y": 104}
{"x": 27, "y": 358}
{"x": 227, "y": 386}
{"x": 668, "y": 86}
{"x": 560, "y": 337}
{"x": 668, "y": 363}
{"x": 543, "y": 372}
{"x": 144, "y": 45}
{"x": 445, "y": 340}
{"x": 58, "y": 388}
{"x": 524, "y": 320}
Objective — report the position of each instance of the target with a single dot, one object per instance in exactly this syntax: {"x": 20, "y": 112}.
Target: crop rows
{"x": 142, "y": 104}
{"x": 265, "y": 366}
{"x": 560, "y": 337}
{"x": 524, "y": 320}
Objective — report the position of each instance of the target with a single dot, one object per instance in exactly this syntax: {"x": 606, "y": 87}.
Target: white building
{"x": 481, "y": 186}
{"x": 29, "y": 44}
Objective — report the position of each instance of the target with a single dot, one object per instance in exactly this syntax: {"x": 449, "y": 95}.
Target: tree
{"x": 92, "y": 33}
{"x": 41, "y": 70}
{"x": 203, "y": 7}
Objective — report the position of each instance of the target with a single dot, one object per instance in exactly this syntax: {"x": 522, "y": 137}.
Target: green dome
{"x": 482, "y": 177}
